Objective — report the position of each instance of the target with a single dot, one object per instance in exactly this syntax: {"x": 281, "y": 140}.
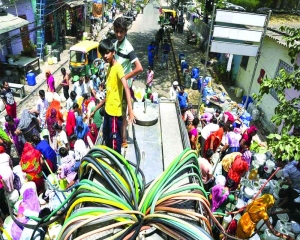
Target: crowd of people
{"x": 218, "y": 131}
{"x": 55, "y": 135}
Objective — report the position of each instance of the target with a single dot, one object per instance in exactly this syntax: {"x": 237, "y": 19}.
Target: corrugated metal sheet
{"x": 11, "y": 22}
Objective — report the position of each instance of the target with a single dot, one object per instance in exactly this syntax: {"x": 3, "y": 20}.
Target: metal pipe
{"x": 145, "y": 106}
{"x": 257, "y": 57}
{"x": 206, "y": 58}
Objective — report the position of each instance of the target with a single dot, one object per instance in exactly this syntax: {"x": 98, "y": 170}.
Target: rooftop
{"x": 10, "y": 22}
{"x": 278, "y": 20}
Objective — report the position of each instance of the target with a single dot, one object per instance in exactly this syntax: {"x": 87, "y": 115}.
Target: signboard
{"x": 234, "y": 48}
{"x": 241, "y": 18}
{"x": 237, "y": 34}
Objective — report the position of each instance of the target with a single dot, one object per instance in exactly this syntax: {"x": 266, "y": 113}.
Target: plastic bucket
{"x": 31, "y": 79}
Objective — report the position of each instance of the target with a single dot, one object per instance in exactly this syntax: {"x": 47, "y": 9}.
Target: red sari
{"x": 71, "y": 123}
{"x": 217, "y": 138}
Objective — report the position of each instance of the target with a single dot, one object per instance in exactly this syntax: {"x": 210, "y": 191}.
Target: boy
{"x": 116, "y": 83}
{"x": 126, "y": 56}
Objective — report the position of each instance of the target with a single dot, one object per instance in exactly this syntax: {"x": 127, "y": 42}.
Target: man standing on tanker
{"x": 125, "y": 55}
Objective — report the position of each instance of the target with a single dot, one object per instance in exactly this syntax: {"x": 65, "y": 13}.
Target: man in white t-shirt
{"x": 89, "y": 87}
{"x": 174, "y": 90}
{"x": 206, "y": 131}
{"x": 71, "y": 100}
{"x": 78, "y": 86}
{"x": 41, "y": 108}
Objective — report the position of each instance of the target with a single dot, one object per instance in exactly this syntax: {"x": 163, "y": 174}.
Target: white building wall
{"x": 272, "y": 52}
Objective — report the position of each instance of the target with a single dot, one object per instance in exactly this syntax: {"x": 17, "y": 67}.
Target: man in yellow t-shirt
{"x": 115, "y": 84}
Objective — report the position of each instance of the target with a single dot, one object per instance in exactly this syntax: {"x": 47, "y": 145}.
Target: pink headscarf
{"x": 219, "y": 195}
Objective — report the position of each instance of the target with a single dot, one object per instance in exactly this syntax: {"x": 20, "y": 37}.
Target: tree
{"x": 287, "y": 112}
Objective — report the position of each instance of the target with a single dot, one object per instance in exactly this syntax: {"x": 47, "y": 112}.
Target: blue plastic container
{"x": 250, "y": 100}
{"x": 195, "y": 72}
{"x": 181, "y": 56}
{"x": 184, "y": 65}
{"x": 31, "y": 79}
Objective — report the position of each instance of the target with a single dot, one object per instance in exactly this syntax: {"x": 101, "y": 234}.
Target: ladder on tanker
{"x": 40, "y": 34}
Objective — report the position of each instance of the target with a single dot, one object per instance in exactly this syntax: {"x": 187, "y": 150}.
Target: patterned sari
{"x": 30, "y": 164}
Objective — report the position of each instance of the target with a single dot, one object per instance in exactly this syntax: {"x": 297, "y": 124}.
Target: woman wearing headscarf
{"x": 50, "y": 81}
{"x": 237, "y": 170}
{"x": 92, "y": 135}
{"x": 257, "y": 210}
{"x": 5, "y": 141}
{"x": 71, "y": 120}
{"x": 28, "y": 125}
{"x": 220, "y": 198}
{"x": 11, "y": 126}
{"x": 30, "y": 163}
{"x": 81, "y": 128}
{"x": 51, "y": 120}
{"x": 247, "y": 136}
{"x": 214, "y": 140}
{"x": 232, "y": 144}
{"x": 6, "y": 172}
{"x": 45, "y": 149}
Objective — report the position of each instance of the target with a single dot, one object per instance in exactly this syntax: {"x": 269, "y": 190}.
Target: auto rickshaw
{"x": 82, "y": 56}
{"x": 164, "y": 18}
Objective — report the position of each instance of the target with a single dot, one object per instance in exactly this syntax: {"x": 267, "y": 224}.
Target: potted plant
{"x": 30, "y": 49}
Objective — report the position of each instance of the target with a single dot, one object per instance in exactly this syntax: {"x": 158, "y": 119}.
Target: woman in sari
{"x": 193, "y": 133}
{"x": 71, "y": 120}
{"x": 51, "y": 120}
{"x": 214, "y": 140}
{"x": 92, "y": 135}
{"x": 5, "y": 141}
{"x": 81, "y": 128}
{"x": 6, "y": 172}
{"x": 45, "y": 149}
{"x": 28, "y": 125}
{"x": 30, "y": 163}
{"x": 237, "y": 170}
{"x": 257, "y": 210}
{"x": 246, "y": 140}
{"x": 11, "y": 126}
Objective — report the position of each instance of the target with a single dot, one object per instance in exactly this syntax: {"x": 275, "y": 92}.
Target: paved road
{"x": 140, "y": 35}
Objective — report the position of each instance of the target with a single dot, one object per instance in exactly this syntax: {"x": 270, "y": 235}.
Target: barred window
{"x": 281, "y": 65}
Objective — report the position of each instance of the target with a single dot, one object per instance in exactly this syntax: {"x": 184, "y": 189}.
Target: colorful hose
{"x": 120, "y": 198}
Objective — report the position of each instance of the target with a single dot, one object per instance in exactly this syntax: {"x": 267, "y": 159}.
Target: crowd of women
{"x": 53, "y": 137}
{"x": 219, "y": 133}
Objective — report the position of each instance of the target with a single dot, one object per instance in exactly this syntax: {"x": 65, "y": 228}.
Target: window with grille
{"x": 244, "y": 62}
{"x": 281, "y": 65}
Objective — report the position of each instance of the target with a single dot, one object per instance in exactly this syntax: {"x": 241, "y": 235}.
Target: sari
{"x": 247, "y": 135}
{"x": 6, "y": 143}
{"x": 71, "y": 123}
{"x": 92, "y": 137}
{"x": 217, "y": 138}
{"x": 81, "y": 128}
{"x": 255, "y": 211}
{"x": 30, "y": 164}
{"x": 238, "y": 167}
{"x": 10, "y": 129}
{"x": 51, "y": 120}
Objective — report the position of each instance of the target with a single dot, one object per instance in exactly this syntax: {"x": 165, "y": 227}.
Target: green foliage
{"x": 256, "y": 147}
{"x": 284, "y": 146}
{"x": 292, "y": 41}
{"x": 286, "y": 112}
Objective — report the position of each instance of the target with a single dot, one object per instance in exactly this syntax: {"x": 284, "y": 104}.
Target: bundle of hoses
{"x": 117, "y": 204}
{"x": 112, "y": 199}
